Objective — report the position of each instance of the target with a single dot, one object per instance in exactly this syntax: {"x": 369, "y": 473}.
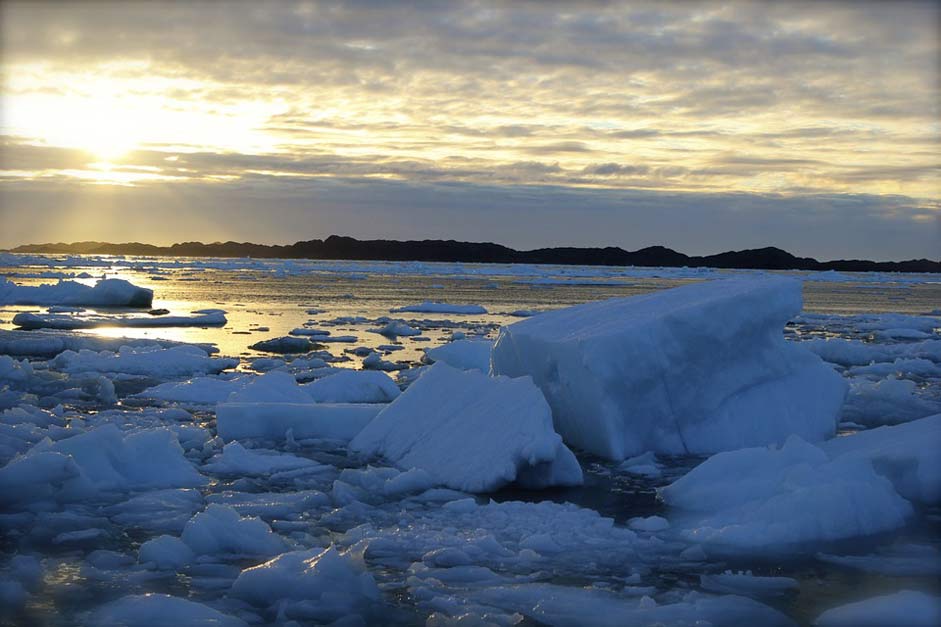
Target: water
{"x": 277, "y": 295}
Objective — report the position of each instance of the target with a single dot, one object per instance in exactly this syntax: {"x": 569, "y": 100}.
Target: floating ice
{"x": 353, "y": 386}
{"x": 767, "y": 500}
{"x": 28, "y": 321}
{"x": 889, "y": 401}
{"x": 340, "y": 421}
{"x": 200, "y": 390}
{"x": 906, "y": 454}
{"x": 105, "y": 293}
{"x": 220, "y": 531}
{"x": 144, "y": 360}
{"x": 471, "y": 432}
{"x": 395, "y": 328}
{"x": 433, "y": 307}
{"x": 906, "y": 608}
{"x": 235, "y": 459}
{"x": 695, "y": 369}
{"x": 747, "y": 584}
{"x": 286, "y": 344}
{"x": 159, "y": 610}
{"x": 463, "y": 354}
{"x": 166, "y": 552}
{"x": 318, "y": 584}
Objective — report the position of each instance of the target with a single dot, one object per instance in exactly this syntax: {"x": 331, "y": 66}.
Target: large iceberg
{"x": 472, "y": 432}
{"x": 105, "y": 293}
{"x": 695, "y": 369}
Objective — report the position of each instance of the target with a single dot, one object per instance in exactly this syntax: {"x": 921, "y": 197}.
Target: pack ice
{"x": 696, "y": 369}
{"x": 105, "y": 293}
{"x": 472, "y": 432}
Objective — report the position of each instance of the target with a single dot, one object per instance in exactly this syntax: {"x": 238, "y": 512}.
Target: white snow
{"x": 905, "y": 608}
{"x": 471, "y": 432}
{"x": 435, "y": 307}
{"x": 105, "y": 293}
{"x": 694, "y": 369}
{"x": 463, "y": 354}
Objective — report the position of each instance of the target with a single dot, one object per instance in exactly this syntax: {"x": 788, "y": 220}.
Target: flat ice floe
{"x": 144, "y": 360}
{"x": 105, "y": 293}
{"x": 28, "y": 321}
{"x": 435, "y": 307}
{"x": 695, "y": 369}
{"x": 471, "y": 432}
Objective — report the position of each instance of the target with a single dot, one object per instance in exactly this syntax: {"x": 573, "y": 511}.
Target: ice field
{"x": 237, "y": 441}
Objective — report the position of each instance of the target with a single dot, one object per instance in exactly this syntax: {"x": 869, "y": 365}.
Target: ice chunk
{"x": 237, "y": 460}
{"x": 463, "y": 354}
{"x": 272, "y": 387}
{"x": 889, "y": 401}
{"x": 202, "y": 390}
{"x": 105, "y": 293}
{"x": 906, "y": 454}
{"x": 695, "y": 369}
{"x": 144, "y": 360}
{"x": 471, "y": 432}
{"x": 159, "y": 610}
{"x": 286, "y": 344}
{"x": 748, "y": 584}
{"x": 767, "y": 500}
{"x": 353, "y": 386}
{"x": 237, "y": 421}
{"x": 219, "y": 530}
{"x": 433, "y": 307}
{"x": 901, "y": 609}
{"x": 166, "y": 552}
{"x": 395, "y": 328}
{"x": 214, "y": 318}
{"x": 329, "y": 584}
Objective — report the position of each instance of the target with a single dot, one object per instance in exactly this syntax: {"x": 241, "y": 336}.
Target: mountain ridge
{"x": 348, "y": 248}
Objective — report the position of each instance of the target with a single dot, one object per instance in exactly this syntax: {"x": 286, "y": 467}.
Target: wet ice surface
{"x": 194, "y": 516}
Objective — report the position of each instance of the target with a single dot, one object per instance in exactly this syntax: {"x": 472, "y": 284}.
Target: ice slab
{"x": 159, "y": 610}
{"x": 144, "y": 360}
{"x": 31, "y": 321}
{"x": 769, "y": 501}
{"x": 434, "y": 307}
{"x": 463, "y": 354}
{"x": 105, "y": 293}
{"x": 471, "y": 432}
{"x": 353, "y": 386}
{"x": 694, "y": 369}
{"x": 902, "y": 609}
{"x": 906, "y": 454}
{"x": 237, "y": 421}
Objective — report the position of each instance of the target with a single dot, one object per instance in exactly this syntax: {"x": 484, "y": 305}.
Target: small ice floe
{"x": 317, "y": 584}
{"x": 436, "y": 307}
{"x": 463, "y": 354}
{"x": 308, "y": 331}
{"x": 906, "y": 608}
{"x": 353, "y": 386}
{"x": 747, "y": 584}
{"x": 645, "y": 465}
{"x": 684, "y": 370}
{"x": 396, "y": 328}
{"x": 886, "y": 402}
{"x": 219, "y": 531}
{"x": 144, "y": 360}
{"x": 208, "y": 318}
{"x": 374, "y": 361}
{"x": 235, "y": 459}
{"x": 770, "y": 500}
{"x": 105, "y": 293}
{"x": 286, "y": 344}
{"x": 471, "y": 432}
{"x": 159, "y": 610}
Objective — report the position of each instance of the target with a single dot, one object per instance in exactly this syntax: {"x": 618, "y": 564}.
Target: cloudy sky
{"x": 697, "y": 125}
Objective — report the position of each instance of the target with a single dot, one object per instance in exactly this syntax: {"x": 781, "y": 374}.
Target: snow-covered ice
{"x": 695, "y": 369}
{"x": 471, "y": 432}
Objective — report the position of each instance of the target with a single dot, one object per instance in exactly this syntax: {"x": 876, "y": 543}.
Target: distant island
{"x": 348, "y": 248}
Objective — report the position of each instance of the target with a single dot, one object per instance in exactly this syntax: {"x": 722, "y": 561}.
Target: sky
{"x": 700, "y": 126}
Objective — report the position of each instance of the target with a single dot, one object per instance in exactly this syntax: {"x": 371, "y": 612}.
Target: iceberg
{"x": 691, "y": 370}
{"x": 471, "y": 432}
{"x": 105, "y": 293}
